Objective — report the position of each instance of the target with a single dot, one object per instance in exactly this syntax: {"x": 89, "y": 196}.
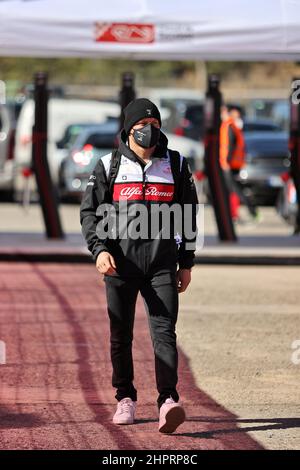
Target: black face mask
{"x": 146, "y": 136}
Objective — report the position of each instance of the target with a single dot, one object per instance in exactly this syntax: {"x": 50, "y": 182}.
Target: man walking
{"x": 143, "y": 173}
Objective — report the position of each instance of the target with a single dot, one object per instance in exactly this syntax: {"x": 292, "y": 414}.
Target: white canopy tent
{"x": 151, "y": 29}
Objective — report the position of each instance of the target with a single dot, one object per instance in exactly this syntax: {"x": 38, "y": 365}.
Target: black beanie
{"x": 139, "y": 109}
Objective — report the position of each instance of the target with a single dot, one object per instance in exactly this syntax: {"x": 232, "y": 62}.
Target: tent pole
{"x": 218, "y": 189}
{"x": 47, "y": 192}
{"x": 127, "y": 93}
{"x": 294, "y": 143}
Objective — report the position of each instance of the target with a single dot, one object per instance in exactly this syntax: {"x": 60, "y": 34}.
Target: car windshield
{"x": 195, "y": 114}
{"x": 101, "y": 141}
{"x": 71, "y": 134}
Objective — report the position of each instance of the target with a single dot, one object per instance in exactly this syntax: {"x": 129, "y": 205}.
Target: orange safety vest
{"x": 237, "y": 160}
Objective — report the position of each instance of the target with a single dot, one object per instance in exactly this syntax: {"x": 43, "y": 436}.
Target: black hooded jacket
{"x": 151, "y": 185}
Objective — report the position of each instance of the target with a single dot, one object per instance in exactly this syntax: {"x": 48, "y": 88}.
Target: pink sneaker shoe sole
{"x": 123, "y": 423}
{"x": 174, "y": 417}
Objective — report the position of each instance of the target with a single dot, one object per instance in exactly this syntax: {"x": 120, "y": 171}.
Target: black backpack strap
{"x": 175, "y": 161}
{"x": 113, "y": 170}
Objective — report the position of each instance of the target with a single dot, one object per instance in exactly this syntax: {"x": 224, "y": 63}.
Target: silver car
{"x": 91, "y": 144}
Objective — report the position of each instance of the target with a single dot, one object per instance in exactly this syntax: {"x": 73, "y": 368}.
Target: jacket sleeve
{"x": 188, "y": 195}
{"x": 96, "y": 193}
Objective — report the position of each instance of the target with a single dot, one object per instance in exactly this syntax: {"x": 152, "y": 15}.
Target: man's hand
{"x": 183, "y": 277}
{"x": 105, "y": 263}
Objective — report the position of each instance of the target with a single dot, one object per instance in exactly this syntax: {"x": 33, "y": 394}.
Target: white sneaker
{"x": 171, "y": 415}
{"x": 125, "y": 412}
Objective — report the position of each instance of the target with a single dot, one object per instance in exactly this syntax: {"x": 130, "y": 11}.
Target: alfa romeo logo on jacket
{"x": 157, "y": 192}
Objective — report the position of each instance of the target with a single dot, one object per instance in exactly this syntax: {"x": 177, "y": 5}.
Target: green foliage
{"x": 224, "y": 68}
{"x": 91, "y": 71}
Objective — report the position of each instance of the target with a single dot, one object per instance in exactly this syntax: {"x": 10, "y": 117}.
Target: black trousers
{"x": 159, "y": 292}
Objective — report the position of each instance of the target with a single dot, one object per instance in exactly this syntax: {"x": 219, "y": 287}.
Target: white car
{"x": 61, "y": 113}
{"x": 169, "y": 99}
{"x": 189, "y": 148}
{"x": 6, "y": 149}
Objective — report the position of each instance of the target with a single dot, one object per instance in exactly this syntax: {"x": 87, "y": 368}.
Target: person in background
{"x": 232, "y": 158}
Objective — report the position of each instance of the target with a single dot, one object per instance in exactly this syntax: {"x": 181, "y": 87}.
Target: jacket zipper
{"x": 144, "y": 244}
{"x": 144, "y": 183}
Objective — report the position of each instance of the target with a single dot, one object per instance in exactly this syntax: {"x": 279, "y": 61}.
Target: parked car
{"x": 188, "y": 121}
{"x": 61, "y": 113}
{"x": 267, "y": 157}
{"x": 278, "y": 110}
{"x": 91, "y": 144}
{"x": 189, "y": 148}
{"x": 172, "y": 103}
{"x": 8, "y": 116}
{"x": 71, "y": 133}
{"x": 167, "y": 97}
{"x": 260, "y": 125}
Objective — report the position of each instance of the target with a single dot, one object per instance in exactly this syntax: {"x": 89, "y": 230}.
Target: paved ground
{"x": 235, "y": 369}
{"x": 237, "y": 325}
{"x": 55, "y": 387}
{"x": 16, "y": 219}
{"x": 22, "y": 233}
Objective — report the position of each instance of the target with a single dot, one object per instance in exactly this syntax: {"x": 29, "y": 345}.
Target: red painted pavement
{"x": 55, "y": 390}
